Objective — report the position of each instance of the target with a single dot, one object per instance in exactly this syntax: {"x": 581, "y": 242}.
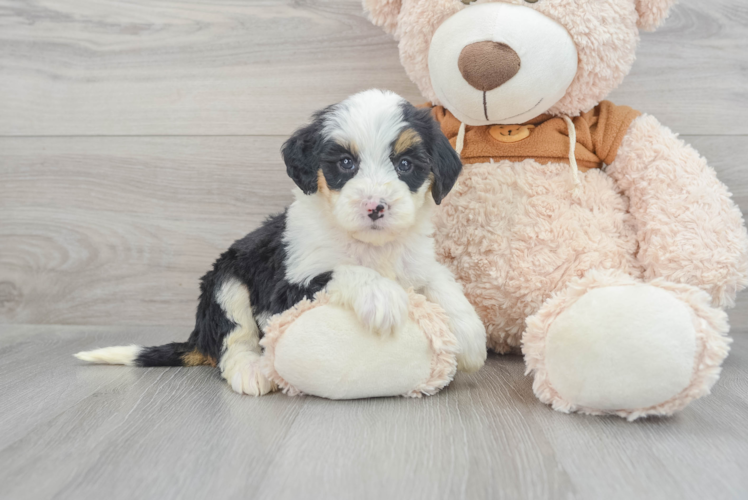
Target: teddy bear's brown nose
{"x": 488, "y": 65}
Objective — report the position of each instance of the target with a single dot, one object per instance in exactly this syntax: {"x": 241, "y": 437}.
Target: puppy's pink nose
{"x": 376, "y": 209}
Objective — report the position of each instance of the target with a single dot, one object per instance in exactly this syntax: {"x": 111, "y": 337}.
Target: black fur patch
{"x": 301, "y": 153}
{"x": 330, "y": 157}
{"x": 418, "y": 155}
{"x": 434, "y": 152}
{"x": 163, "y": 355}
{"x": 258, "y": 261}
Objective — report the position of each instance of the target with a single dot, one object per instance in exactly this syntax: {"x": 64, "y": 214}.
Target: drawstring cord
{"x": 573, "y": 150}
{"x": 460, "y": 139}
{"x": 460, "y": 145}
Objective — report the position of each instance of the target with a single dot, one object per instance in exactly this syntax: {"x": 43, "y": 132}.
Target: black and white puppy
{"x": 369, "y": 171}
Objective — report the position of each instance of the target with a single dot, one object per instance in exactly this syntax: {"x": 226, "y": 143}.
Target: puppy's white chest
{"x": 386, "y": 261}
{"x": 408, "y": 264}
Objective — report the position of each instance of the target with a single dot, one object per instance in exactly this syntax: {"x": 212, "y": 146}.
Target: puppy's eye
{"x": 531, "y": 1}
{"x": 346, "y": 165}
{"x": 404, "y": 166}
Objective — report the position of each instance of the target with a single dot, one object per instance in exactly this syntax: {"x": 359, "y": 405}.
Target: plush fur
{"x": 425, "y": 345}
{"x": 605, "y": 33}
{"x": 369, "y": 171}
{"x": 518, "y": 88}
{"x": 533, "y": 240}
{"x": 688, "y": 228}
{"x": 514, "y": 233}
{"x": 712, "y": 344}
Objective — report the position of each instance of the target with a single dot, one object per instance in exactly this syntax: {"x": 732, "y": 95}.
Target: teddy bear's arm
{"x": 688, "y": 227}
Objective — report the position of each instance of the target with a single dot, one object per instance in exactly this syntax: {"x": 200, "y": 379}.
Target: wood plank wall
{"x": 138, "y": 139}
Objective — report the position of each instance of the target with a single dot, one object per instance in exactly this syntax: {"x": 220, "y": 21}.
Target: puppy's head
{"x": 374, "y": 158}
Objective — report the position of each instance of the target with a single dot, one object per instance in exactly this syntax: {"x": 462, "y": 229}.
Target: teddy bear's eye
{"x": 531, "y": 1}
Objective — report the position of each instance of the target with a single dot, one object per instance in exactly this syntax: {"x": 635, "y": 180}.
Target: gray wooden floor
{"x": 68, "y": 430}
{"x": 138, "y": 139}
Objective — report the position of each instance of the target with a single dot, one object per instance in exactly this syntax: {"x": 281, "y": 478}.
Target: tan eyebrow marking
{"x": 407, "y": 139}
{"x": 351, "y": 146}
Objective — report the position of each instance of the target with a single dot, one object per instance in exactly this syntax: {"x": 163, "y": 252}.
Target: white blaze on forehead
{"x": 369, "y": 122}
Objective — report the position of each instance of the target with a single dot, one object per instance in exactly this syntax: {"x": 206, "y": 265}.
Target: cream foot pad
{"x": 321, "y": 349}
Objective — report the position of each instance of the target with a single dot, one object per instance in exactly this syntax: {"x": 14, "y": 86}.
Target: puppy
{"x": 369, "y": 171}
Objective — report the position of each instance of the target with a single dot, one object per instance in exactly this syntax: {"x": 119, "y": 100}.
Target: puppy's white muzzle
{"x": 497, "y": 63}
{"x": 365, "y": 207}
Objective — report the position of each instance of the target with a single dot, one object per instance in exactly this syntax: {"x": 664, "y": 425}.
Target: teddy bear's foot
{"x": 611, "y": 344}
{"x": 323, "y": 349}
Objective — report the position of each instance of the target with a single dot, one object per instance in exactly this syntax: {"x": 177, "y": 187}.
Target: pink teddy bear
{"x": 583, "y": 232}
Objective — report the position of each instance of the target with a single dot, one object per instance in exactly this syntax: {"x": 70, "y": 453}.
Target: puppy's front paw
{"x": 471, "y": 338}
{"x": 382, "y": 306}
{"x": 471, "y": 362}
{"x": 246, "y": 377}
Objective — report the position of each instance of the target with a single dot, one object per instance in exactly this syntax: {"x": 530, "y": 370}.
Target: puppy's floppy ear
{"x": 445, "y": 165}
{"x": 384, "y": 13}
{"x": 301, "y": 154}
{"x": 652, "y": 13}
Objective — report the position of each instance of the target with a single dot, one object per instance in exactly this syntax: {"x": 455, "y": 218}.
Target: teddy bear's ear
{"x": 383, "y": 13}
{"x": 652, "y": 13}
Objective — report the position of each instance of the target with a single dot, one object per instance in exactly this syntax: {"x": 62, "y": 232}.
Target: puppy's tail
{"x": 174, "y": 354}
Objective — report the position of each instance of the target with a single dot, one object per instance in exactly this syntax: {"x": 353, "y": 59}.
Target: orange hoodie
{"x": 545, "y": 139}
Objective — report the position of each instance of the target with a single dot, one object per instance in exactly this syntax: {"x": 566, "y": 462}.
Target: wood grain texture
{"x": 218, "y": 67}
{"x": 119, "y": 230}
{"x": 70, "y": 430}
{"x": 691, "y": 73}
{"x": 204, "y": 68}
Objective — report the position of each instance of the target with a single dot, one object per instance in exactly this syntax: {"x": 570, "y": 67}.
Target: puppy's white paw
{"x": 382, "y": 306}
{"x": 471, "y": 338}
{"x": 246, "y": 377}
{"x": 471, "y": 362}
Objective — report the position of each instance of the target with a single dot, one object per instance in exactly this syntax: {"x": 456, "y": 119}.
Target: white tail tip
{"x": 118, "y": 355}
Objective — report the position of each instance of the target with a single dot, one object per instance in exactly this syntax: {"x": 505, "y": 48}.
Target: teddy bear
{"x": 585, "y": 233}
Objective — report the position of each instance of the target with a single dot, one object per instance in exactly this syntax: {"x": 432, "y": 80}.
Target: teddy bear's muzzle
{"x": 500, "y": 63}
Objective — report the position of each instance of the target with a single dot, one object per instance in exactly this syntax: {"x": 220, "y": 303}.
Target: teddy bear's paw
{"x": 382, "y": 306}
{"x": 630, "y": 350}
{"x": 245, "y": 376}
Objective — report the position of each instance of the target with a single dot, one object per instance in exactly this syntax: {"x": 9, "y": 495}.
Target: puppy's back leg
{"x": 240, "y": 353}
